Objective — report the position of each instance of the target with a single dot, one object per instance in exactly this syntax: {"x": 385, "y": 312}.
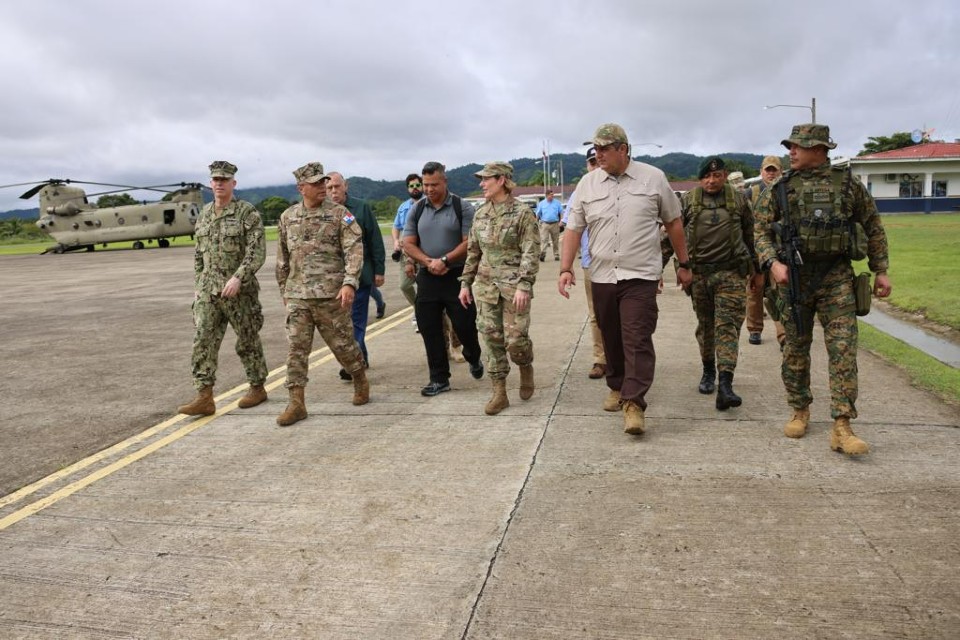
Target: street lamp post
{"x": 812, "y": 107}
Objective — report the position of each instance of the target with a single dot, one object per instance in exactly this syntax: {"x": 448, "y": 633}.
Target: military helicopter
{"x": 68, "y": 217}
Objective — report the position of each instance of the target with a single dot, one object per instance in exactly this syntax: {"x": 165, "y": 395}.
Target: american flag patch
{"x": 348, "y": 218}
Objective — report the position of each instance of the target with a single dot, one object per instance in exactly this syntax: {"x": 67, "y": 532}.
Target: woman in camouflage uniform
{"x": 502, "y": 262}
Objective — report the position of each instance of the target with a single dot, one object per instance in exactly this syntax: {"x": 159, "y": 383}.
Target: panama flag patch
{"x": 349, "y": 218}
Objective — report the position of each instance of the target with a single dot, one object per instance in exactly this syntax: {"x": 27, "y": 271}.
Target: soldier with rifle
{"x": 809, "y": 226}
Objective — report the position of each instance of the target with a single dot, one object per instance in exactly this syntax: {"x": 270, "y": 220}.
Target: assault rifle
{"x": 789, "y": 254}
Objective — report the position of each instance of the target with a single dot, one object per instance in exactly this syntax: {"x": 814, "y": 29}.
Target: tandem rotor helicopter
{"x": 68, "y": 217}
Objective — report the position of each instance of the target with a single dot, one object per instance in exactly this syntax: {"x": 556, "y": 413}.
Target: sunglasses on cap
{"x": 414, "y": 185}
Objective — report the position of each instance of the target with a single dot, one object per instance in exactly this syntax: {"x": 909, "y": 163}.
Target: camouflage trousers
{"x": 336, "y": 328}
{"x": 833, "y": 303}
{"x": 210, "y": 319}
{"x": 504, "y": 331}
{"x": 720, "y": 302}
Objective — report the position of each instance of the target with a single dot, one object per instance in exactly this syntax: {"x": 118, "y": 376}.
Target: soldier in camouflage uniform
{"x": 836, "y": 220}
{"x": 319, "y": 258}
{"x": 230, "y": 248}
{"x": 501, "y": 269}
{"x": 718, "y": 226}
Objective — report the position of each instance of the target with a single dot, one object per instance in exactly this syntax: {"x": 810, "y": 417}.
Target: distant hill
{"x": 676, "y": 165}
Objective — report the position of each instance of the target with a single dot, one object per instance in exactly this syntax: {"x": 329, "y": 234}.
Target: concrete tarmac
{"x": 424, "y": 518}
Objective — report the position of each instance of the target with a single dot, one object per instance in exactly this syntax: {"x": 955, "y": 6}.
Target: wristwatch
{"x": 443, "y": 258}
{"x": 683, "y": 265}
{"x": 768, "y": 263}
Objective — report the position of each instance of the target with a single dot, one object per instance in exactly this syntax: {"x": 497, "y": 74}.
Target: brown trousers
{"x": 627, "y": 315}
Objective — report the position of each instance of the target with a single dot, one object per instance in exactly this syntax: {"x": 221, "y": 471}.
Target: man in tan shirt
{"x": 622, "y": 205}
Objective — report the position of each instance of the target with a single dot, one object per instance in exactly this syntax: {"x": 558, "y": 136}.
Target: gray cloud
{"x": 126, "y": 92}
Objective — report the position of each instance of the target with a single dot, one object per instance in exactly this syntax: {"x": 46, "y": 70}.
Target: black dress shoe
{"x": 381, "y": 310}
{"x": 755, "y": 337}
{"x": 476, "y": 370}
{"x": 435, "y": 388}
{"x": 344, "y": 375}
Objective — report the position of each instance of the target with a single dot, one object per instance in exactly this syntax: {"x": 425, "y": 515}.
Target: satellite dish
{"x": 916, "y": 136}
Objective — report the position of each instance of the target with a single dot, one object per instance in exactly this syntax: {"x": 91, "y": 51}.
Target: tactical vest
{"x": 731, "y": 245}
{"x": 824, "y": 218}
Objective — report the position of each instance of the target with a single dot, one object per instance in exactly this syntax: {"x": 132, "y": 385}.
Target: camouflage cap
{"x": 772, "y": 161}
{"x": 810, "y": 135}
{"x": 504, "y": 169}
{"x": 222, "y": 169}
{"x": 310, "y": 172}
{"x": 608, "y": 134}
{"x": 713, "y": 163}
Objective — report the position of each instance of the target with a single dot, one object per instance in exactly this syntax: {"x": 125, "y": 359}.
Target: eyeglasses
{"x": 414, "y": 185}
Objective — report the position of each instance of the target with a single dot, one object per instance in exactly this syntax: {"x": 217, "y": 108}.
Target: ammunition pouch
{"x": 862, "y": 293}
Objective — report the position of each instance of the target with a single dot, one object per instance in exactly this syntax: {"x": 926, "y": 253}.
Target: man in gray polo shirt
{"x": 435, "y": 239}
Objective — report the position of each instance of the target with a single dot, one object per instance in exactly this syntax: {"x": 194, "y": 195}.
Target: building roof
{"x": 925, "y": 151}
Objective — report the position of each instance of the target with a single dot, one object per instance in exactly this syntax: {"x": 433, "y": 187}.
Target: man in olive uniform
{"x": 718, "y": 226}
{"x": 835, "y": 220}
{"x": 319, "y": 258}
{"x": 230, "y": 248}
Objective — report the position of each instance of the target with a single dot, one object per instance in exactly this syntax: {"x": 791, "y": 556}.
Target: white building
{"x": 921, "y": 178}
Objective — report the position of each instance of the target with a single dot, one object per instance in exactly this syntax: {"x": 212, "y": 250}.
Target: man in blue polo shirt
{"x": 435, "y": 237}
{"x": 548, "y": 213}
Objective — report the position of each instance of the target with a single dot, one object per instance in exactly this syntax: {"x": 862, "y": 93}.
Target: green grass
{"x": 925, "y": 372}
{"x": 925, "y": 265}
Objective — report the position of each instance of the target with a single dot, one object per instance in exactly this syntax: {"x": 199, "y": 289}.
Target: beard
{"x": 416, "y": 195}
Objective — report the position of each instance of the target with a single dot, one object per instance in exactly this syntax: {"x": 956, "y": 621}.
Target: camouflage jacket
{"x": 857, "y": 200}
{"x": 318, "y": 251}
{"x": 229, "y": 243}
{"x": 503, "y": 251}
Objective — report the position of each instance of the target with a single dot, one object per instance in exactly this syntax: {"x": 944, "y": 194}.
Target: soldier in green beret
{"x": 835, "y": 220}
{"x": 230, "y": 248}
{"x": 502, "y": 252}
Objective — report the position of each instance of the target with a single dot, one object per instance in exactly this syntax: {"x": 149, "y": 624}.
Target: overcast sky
{"x": 145, "y": 93}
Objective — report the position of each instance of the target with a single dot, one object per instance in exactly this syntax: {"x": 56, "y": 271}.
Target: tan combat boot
{"x": 612, "y": 401}
{"x": 296, "y": 410}
{"x": 361, "y": 388}
{"x": 842, "y": 438}
{"x": 498, "y": 401}
{"x": 202, "y": 405}
{"x": 797, "y": 427}
{"x": 255, "y": 395}
{"x": 632, "y": 418}
{"x": 526, "y": 381}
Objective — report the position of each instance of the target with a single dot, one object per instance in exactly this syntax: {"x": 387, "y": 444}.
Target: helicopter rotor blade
{"x": 24, "y": 184}
{"x": 36, "y": 189}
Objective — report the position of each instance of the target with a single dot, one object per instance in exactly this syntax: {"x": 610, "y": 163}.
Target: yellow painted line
{"x": 394, "y": 320}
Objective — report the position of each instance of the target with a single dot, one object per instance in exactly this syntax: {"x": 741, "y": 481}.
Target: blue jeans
{"x": 359, "y": 315}
{"x": 377, "y": 297}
